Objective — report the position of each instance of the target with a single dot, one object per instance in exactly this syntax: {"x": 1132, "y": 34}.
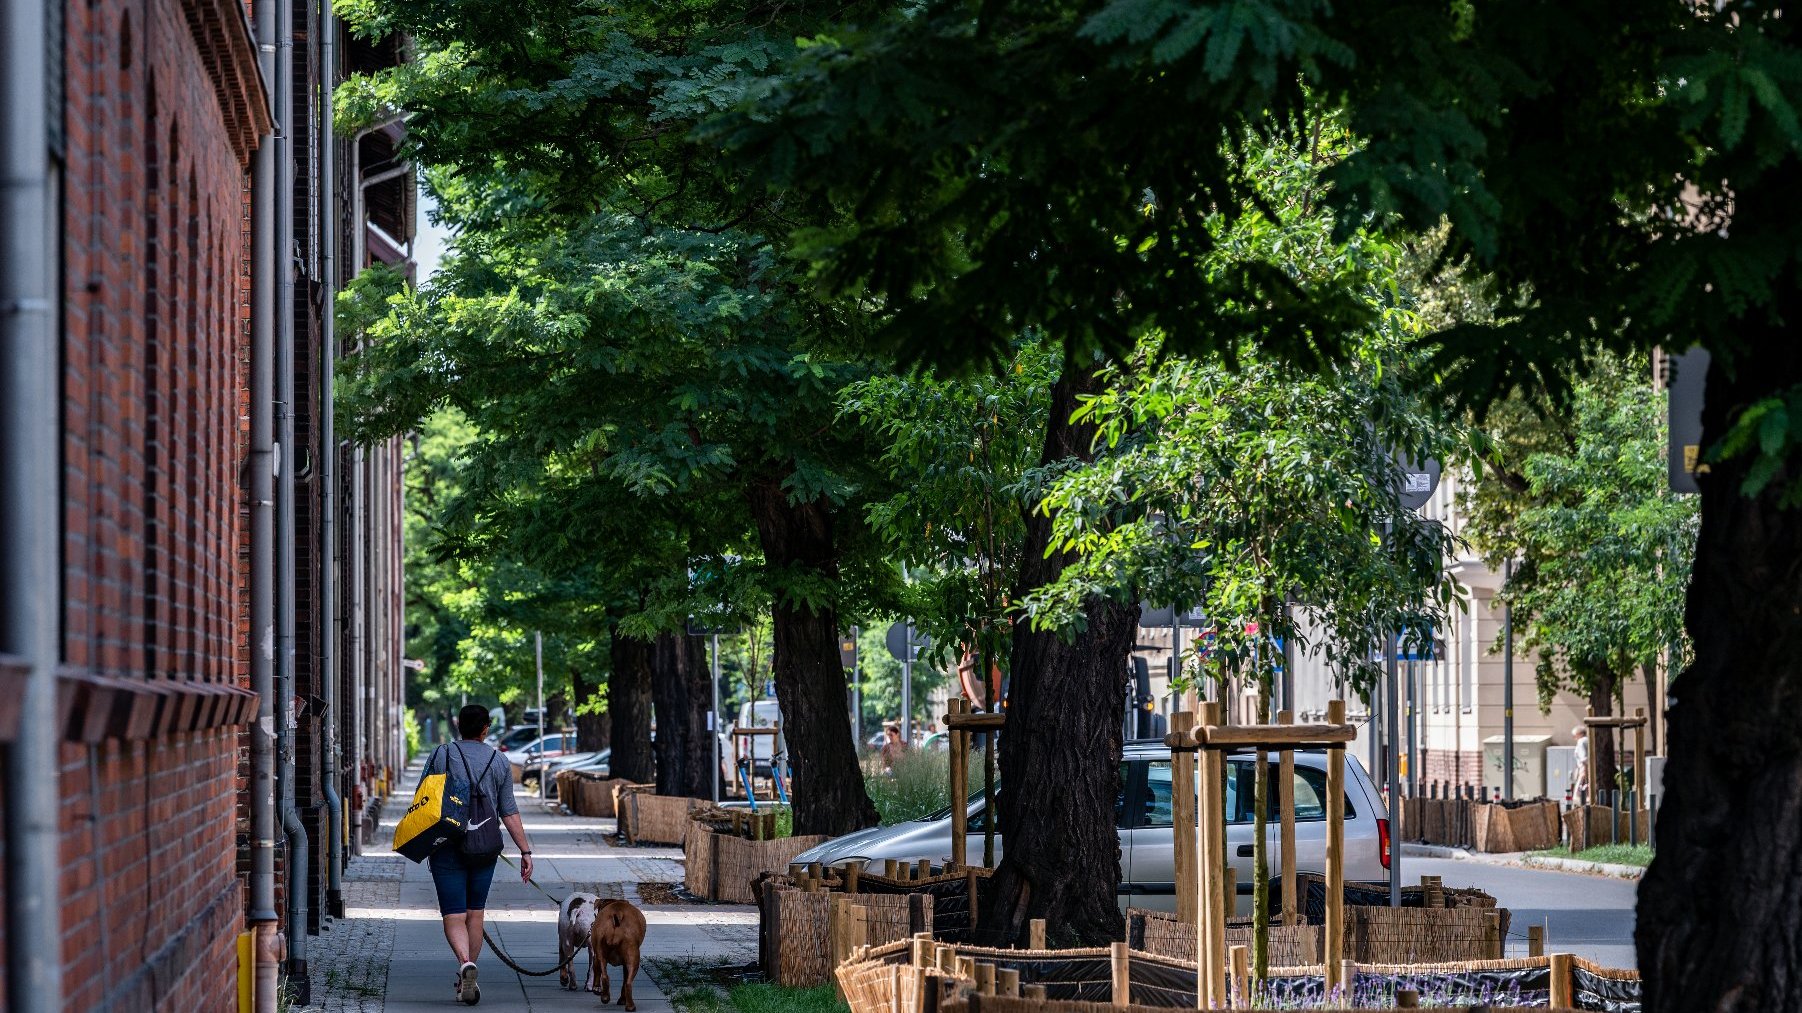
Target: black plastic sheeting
{"x": 950, "y": 904}
{"x": 1160, "y": 985}
{"x": 1086, "y": 978}
{"x": 1524, "y": 986}
{"x": 1611, "y": 995}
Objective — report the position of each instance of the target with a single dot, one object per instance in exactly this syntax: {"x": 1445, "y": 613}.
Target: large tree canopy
{"x": 1623, "y": 171}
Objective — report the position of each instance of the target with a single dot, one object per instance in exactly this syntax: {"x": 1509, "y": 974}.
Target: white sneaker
{"x": 467, "y": 989}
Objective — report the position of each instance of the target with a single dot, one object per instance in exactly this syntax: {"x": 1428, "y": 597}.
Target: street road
{"x": 1590, "y": 916}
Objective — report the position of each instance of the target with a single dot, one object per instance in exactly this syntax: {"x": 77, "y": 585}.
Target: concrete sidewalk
{"x": 1525, "y": 860}
{"x": 388, "y": 955}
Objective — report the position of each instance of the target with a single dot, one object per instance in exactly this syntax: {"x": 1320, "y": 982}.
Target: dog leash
{"x": 501, "y": 951}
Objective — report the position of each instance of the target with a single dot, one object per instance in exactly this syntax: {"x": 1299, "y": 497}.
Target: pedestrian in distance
{"x": 1580, "y": 759}
{"x": 893, "y": 747}
{"x": 462, "y": 872}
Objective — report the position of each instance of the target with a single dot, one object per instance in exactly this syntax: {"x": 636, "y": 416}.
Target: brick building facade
{"x": 156, "y": 109}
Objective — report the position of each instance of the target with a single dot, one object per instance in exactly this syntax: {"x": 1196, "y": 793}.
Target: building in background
{"x": 155, "y": 114}
{"x": 1456, "y": 696}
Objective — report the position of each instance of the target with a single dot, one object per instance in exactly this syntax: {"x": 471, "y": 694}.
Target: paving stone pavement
{"x": 388, "y": 955}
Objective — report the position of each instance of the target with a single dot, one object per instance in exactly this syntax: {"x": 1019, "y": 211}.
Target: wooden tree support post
{"x": 1120, "y": 959}
{"x": 1535, "y": 940}
{"x": 1286, "y": 839}
{"x": 1241, "y": 971}
{"x": 1333, "y": 943}
{"x": 1562, "y": 992}
{"x": 1035, "y": 934}
{"x": 962, "y": 723}
{"x": 960, "y": 783}
{"x": 1182, "y": 814}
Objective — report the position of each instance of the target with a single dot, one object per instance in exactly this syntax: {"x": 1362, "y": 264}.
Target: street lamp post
{"x": 713, "y": 716}
{"x": 1507, "y": 686}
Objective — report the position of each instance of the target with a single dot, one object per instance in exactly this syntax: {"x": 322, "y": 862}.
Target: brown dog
{"x": 615, "y": 939}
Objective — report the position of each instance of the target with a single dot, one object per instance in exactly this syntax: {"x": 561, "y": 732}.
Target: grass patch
{"x": 919, "y": 785}
{"x": 692, "y": 988}
{"x": 1608, "y": 854}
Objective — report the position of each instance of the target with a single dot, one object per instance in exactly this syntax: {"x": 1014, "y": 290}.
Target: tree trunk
{"x": 593, "y": 729}
{"x": 682, "y": 691}
{"x": 629, "y": 708}
{"x": 798, "y": 544}
{"x": 1601, "y": 740}
{"x": 1060, "y": 752}
{"x": 1720, "y": 909}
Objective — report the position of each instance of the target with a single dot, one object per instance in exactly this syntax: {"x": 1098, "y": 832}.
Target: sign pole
{"x": 1507, "y": 686}
{"x": 907, "y": 687}
{"x": 713, "y": 716}
{"x": 1393, "y": 721}
{"x": 538, "y": 663}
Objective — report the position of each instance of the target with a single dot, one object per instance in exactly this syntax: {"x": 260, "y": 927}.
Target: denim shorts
{"x": 462, "y": 881}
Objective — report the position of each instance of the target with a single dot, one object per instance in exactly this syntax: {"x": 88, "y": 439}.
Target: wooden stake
{"x": 1035, "y": 934}
{"x": 1333, "y": 941}
{"x": 1120, "y": 960}
{"x": 960, "y": 786}
{"x": 1562, "y": 997}
{"x": 1214, "y": 861}
{"x": 888, "y": 868}
{"x": 1241, "y": 963}
{"x": 985, "y": 979}
{"x": 853, "y": 871}
{"x": 1286, "y": 833}
{"x": 1183, "y": 822}
{"x": 1407, "y": 998}
{"x": 1639, "y": 770}
{"x": 1007, "y": 982}
{"x": 1348, "y": 977}
{"x": 1536, "y": 940}
{"x": 1035, "y": 993}
{"x": 1492, "y": 931}
{"x": 923, "y": 949}
{"x": 923, "y": 868}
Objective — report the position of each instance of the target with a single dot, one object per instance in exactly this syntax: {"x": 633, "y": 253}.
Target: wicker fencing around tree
{"x": 660, "y": 819}
{"x": 587, "y": 794}
{"x": 721, "y": 866}
{"x": 1492, "y": 827}
{"x": 623, "y": 792}
{"x": 922, "y": 977}
{"x": 1372, "y": 934}
{"x": 1587, "y": 827}
{"x": 805, "y": 934}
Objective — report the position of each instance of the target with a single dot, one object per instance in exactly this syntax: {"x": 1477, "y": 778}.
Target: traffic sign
{"x": 897, "y": 641}
{"x": 1687, "y": 377}
{"x": 1419, "y": 479}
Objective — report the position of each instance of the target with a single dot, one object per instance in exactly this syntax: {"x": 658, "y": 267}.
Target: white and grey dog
{"x": 575, "y": 921}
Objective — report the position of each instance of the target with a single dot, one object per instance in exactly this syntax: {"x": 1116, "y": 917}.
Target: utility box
{"x": 1654, "y": 777}
{"x": 1529, "y": 764}
{"x": 1560, "y": 770}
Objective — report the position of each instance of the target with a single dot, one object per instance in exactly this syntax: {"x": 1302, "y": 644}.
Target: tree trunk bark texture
{"x": 1601, "y": 740}
{"x": 593, "y": 728}
{"x": 1720, "y": 910}
{"x": 682, "y": 692}
{"x": 1061, "y": 749}
{"x": 798, "y": 542}
{"x": 629, "y": 709}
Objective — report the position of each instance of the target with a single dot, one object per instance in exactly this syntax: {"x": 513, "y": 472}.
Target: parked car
{"x": 513, "y": 738}
{"x": 548, "y": 769}
{"x": 1142, "y": 815}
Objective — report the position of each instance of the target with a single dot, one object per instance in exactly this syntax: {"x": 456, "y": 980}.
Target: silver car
{"x": 1147, "y": 840}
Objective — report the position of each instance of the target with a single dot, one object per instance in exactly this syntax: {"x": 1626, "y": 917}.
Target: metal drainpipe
{"x": 29, "y": 509}
{"x": 286, "y": 462}
{"x": 262, "y": 915}
{"x": 358, "y": 670}
{"x": 328, "y": 458}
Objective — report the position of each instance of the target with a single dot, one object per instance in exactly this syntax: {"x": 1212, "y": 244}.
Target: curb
{"x": 1523, "y": 860}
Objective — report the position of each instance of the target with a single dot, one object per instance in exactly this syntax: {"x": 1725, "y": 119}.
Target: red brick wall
{"x": 153, "y": 199}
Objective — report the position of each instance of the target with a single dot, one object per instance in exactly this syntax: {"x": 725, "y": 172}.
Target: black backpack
{"x": 482, "y": 830}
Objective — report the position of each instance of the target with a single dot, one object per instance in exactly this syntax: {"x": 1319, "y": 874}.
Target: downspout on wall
{"x": 262, "y": 915}
{"x": 287, "y": 265}
{"x": 329, "y": 622}
{"x": 30, "y": 409}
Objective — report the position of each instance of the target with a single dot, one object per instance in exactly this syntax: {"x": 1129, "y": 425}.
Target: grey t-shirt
{"x": 497, "y": 784}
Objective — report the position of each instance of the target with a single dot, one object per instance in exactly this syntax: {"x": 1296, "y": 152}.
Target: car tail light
{"x": 1383, "y": 841}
